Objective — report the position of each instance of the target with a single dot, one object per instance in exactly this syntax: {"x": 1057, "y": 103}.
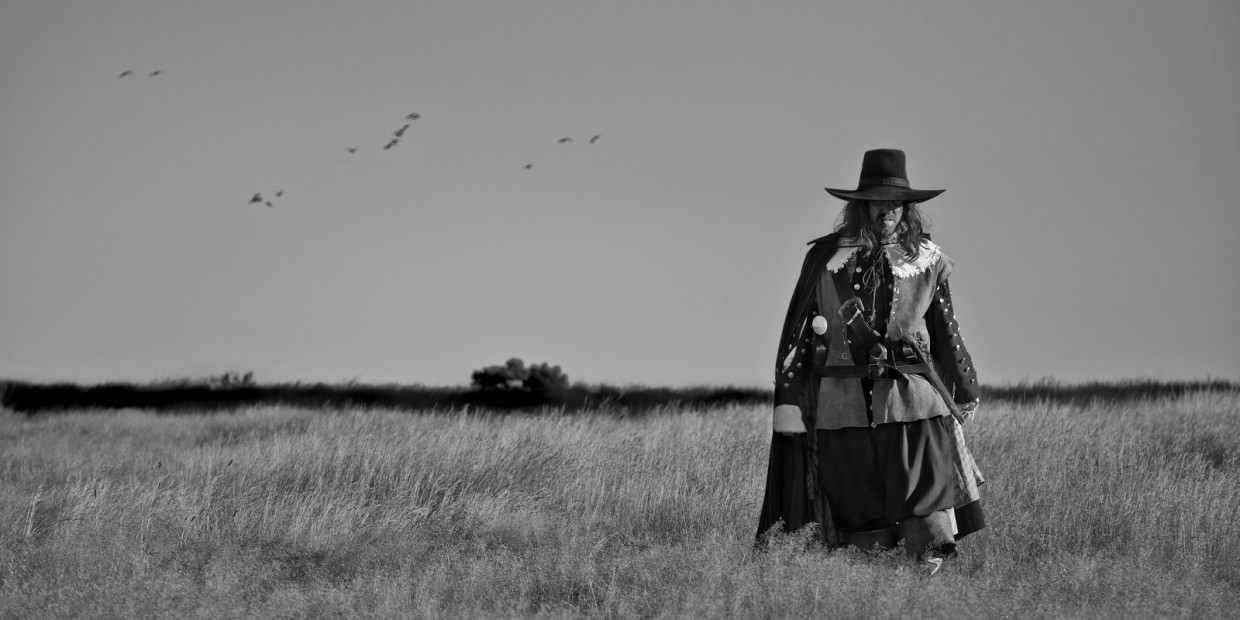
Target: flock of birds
{"x": 397, "y": 135}
{"x": 566, "y": 140}
{"x": 259, "y": 200}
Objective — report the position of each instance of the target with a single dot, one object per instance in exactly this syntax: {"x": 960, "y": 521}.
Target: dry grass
{"x": 1104, "y": 510}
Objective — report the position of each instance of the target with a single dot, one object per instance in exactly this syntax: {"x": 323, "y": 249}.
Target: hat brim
{"x": 885, "y": 192}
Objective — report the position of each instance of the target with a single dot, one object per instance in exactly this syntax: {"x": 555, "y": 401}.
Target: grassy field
{"x": 1098, "y": 510}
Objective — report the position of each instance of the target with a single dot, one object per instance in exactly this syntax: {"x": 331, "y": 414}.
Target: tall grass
{"x": 1098, "y": 510}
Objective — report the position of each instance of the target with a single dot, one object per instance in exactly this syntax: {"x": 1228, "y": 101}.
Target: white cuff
{"x": 787, "y": 419}
{"x": 969, "y": 409}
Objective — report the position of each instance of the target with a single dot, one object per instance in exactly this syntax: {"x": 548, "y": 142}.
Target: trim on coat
{"x": 842, "y": 256}
{"x": 901, "y": 267}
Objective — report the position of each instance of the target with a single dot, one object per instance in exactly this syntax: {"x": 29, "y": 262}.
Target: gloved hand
{"x": 787, "y": 420}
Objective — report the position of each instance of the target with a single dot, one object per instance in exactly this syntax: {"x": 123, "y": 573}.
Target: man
{"x": 873, "y": 382}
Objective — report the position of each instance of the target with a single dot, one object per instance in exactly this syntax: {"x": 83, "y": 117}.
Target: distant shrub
{"x": 232, "y": 379}
{"x": 515, "y": 385}
{"x": 511, "y": 375}
{"x": 546, "y": 379}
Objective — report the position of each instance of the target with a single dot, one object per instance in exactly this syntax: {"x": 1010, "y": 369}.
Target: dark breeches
{"x": 889, "y": 483}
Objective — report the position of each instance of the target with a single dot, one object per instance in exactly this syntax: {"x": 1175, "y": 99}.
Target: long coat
{"x": 920, "y": 316}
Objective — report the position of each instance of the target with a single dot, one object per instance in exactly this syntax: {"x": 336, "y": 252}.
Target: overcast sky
{"x": 1090, "y": 152}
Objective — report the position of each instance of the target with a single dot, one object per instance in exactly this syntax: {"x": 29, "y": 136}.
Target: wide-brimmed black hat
{"x": 883, "y": 178}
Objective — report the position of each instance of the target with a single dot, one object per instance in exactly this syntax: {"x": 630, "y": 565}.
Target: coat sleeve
{"x": 946, "y": 343}
{"x": 793, "y": 370}
{"x": 795, "y": 354}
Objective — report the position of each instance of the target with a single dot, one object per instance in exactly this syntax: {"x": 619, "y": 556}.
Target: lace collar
{"x": 901, "y": 267}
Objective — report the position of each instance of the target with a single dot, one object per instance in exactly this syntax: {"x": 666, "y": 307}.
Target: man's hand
{"x": 787, "y": 420}
{"x": 851, "y": 309}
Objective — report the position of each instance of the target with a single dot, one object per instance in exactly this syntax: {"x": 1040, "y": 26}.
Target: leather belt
{"x": 871, "y": 371}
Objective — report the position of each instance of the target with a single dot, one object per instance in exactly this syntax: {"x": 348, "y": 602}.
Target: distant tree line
{"x": 1123, "y": 390}
{"x": 505, "y": 387}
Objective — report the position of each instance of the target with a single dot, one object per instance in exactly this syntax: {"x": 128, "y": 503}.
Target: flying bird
{"x": 256, "y": 198}
{"x": 564, "y": 140}
{"x": 528, "y": 166}
{"x": 155, "y": 72}
{"x": 413, "y": 116}
{"x": 126, "y": 72}
{"x": 279, "y": 193}
{"x": 595, "y": 138}
{"x": 351, "y": 149}
{"x": 268, "y": 203}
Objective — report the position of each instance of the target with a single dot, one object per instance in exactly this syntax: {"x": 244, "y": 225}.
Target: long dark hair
{"x": 854, "y": 223}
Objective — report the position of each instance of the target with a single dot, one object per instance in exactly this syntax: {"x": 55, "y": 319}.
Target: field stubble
{"x": 1106, "y": 509}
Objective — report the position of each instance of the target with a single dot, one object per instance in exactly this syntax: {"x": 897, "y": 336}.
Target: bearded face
{"x": 884, "y": 217}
